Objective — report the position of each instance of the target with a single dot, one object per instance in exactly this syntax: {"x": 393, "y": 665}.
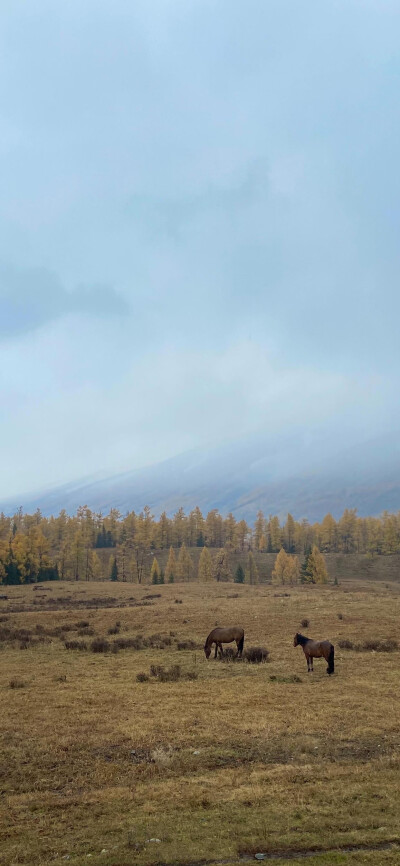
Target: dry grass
{"x": 244, "y": 758}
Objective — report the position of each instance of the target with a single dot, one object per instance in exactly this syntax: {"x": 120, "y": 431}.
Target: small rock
{"x": 260, "y": 856}
{"x": 153, "y": 840}
{"x": 103, "y": 851}
{"x": 196, "y": 752}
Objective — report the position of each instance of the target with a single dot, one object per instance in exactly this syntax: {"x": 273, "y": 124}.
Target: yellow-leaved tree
{"x": 205, "y": 572}
{"x": 286, "y": 568}
{"x": 170, "y": 571}
{"x": 314, "y": 569}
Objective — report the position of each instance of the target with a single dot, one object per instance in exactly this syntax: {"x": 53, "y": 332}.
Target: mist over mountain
{"x": 274, "y": 474}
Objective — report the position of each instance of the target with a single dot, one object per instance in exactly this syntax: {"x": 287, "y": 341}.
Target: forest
{"x": 93, "y": 546}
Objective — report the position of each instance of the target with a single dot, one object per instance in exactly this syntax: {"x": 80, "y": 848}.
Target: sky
{"x": 199, "y": 223}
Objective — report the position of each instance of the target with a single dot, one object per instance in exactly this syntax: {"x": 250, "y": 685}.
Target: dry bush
{"x": 100, "y": 645}
{"x": 275, "y": 678}
{"x": 340, "y": 616}
{"x": 156, "y": 670}
{"x": 255, "y": 655}
{"x": 75, "y": 645}
{"x": 86, "y": 632}
{"x": 153, "y": 595}
{"x": 387, "y": 645}
{"x": 142, "y": 677}
{"x": 178, "y": 601}
{"x": 305, "y": 623}
{"x": 17, "y": 684}
{"x": 187, "y": 645}
{"x": 83, "y": 623}
{"x": 162, "y": 757}
{"x": 115, "y": 629}
{"x": 170, "y": 675}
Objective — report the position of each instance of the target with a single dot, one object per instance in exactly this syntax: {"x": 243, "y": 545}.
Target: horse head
{"x": 296, "y": 642}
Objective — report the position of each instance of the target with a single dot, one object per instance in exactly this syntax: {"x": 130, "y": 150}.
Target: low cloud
{"x": 30, "y": 299}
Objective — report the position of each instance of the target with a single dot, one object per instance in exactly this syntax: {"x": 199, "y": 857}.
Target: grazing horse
{"x": 316, "y": 649}
{"x": 224, "y": 635}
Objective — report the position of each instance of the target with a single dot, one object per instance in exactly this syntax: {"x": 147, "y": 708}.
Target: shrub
{"x": 83, "y": 623}
{"x": 142, "y": 678}
{"x": 305, "y": 623}
{"x": 17, "y": 684}
{"x": 346, "y": 644}
{"x": 387, "y": 645}
{"x": 170, "y": 675}
{"x": 100, "y": 645}
{"x": 115, "y": 629}
{"x": 187, "y": 645}
{"x": 256, "y": 655}
{"x": 178, "y": 601}
{"x": 156, "y": 670}
{"x": 86, "y": 632}
{"x": 340, "y": 616}
{"x": 75, "y": 645}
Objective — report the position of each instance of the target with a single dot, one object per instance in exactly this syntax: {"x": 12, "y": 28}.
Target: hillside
{"x": 276, "y": 476}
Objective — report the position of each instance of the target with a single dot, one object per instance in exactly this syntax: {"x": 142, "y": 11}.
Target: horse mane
{"x": 301, "y": 639}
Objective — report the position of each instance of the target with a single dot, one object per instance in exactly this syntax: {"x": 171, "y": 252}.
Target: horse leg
{"x": 216, "y": 649}
{"x": 238, "y": 651}
{"x": 221, "y": 652}
{"x": 308, "y": 664}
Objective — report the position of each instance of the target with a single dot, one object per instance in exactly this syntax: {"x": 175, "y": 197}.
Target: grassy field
{"x": 96, "y": 767}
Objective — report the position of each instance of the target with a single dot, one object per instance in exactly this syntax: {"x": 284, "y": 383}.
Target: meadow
{"x": 130, "y": 748}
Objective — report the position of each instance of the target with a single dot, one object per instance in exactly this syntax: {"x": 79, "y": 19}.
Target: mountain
{"x": 274, "y": 474}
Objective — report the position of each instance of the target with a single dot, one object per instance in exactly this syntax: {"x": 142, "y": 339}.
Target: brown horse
{"x": 316, "y": 649}
{"x": 224, "y": 635}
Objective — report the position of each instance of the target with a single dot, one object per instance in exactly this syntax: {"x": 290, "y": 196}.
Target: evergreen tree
{"x": 239, "y": 575}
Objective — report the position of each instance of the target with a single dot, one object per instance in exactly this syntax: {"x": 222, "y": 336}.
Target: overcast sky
{"x": 199, "y": 227}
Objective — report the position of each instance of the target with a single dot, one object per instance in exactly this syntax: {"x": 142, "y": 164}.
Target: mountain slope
{"x": 275, "y": 475}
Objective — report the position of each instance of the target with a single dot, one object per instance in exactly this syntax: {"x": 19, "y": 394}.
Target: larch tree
{"x": 316, "y": 570}
{"x": 171, "y": 570}
{"x": 184, "y": 564}
{"x": 286, "y": 568}
{"x": 155, "y": 572}
{"x": 205, "y": 571}
{"x": 252, "y": 570}
{"x": 221, "y": 566}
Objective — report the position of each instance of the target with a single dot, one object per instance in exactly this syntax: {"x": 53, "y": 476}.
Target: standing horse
{"x": 316, "y": 649}
{"x": 224, "y": 635}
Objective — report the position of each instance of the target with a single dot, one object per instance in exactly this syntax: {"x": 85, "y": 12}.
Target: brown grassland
{"x": 245, "y": 758}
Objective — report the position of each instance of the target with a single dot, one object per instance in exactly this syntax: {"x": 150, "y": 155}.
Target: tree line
{"x": 88, "y": 545}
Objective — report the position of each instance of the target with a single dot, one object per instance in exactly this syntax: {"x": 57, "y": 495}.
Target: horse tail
{"x": 331, "y": 660}
{"x": 241, "y": 644}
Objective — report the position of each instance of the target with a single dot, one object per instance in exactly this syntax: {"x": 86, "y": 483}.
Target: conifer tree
{"x": 239, "y": 575}
{"x": 170, "y": 571}
{"x": 114, "y": 569}
{"x": 252, "y": 570}
{"x": 286, "y": 568}
{"x": 221, "y": 567}
{"x": 184, "y": 564}
{"x": 316, "y": 566}
{"x": 205, "y": 571}
{"x": 155, "y": 572}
